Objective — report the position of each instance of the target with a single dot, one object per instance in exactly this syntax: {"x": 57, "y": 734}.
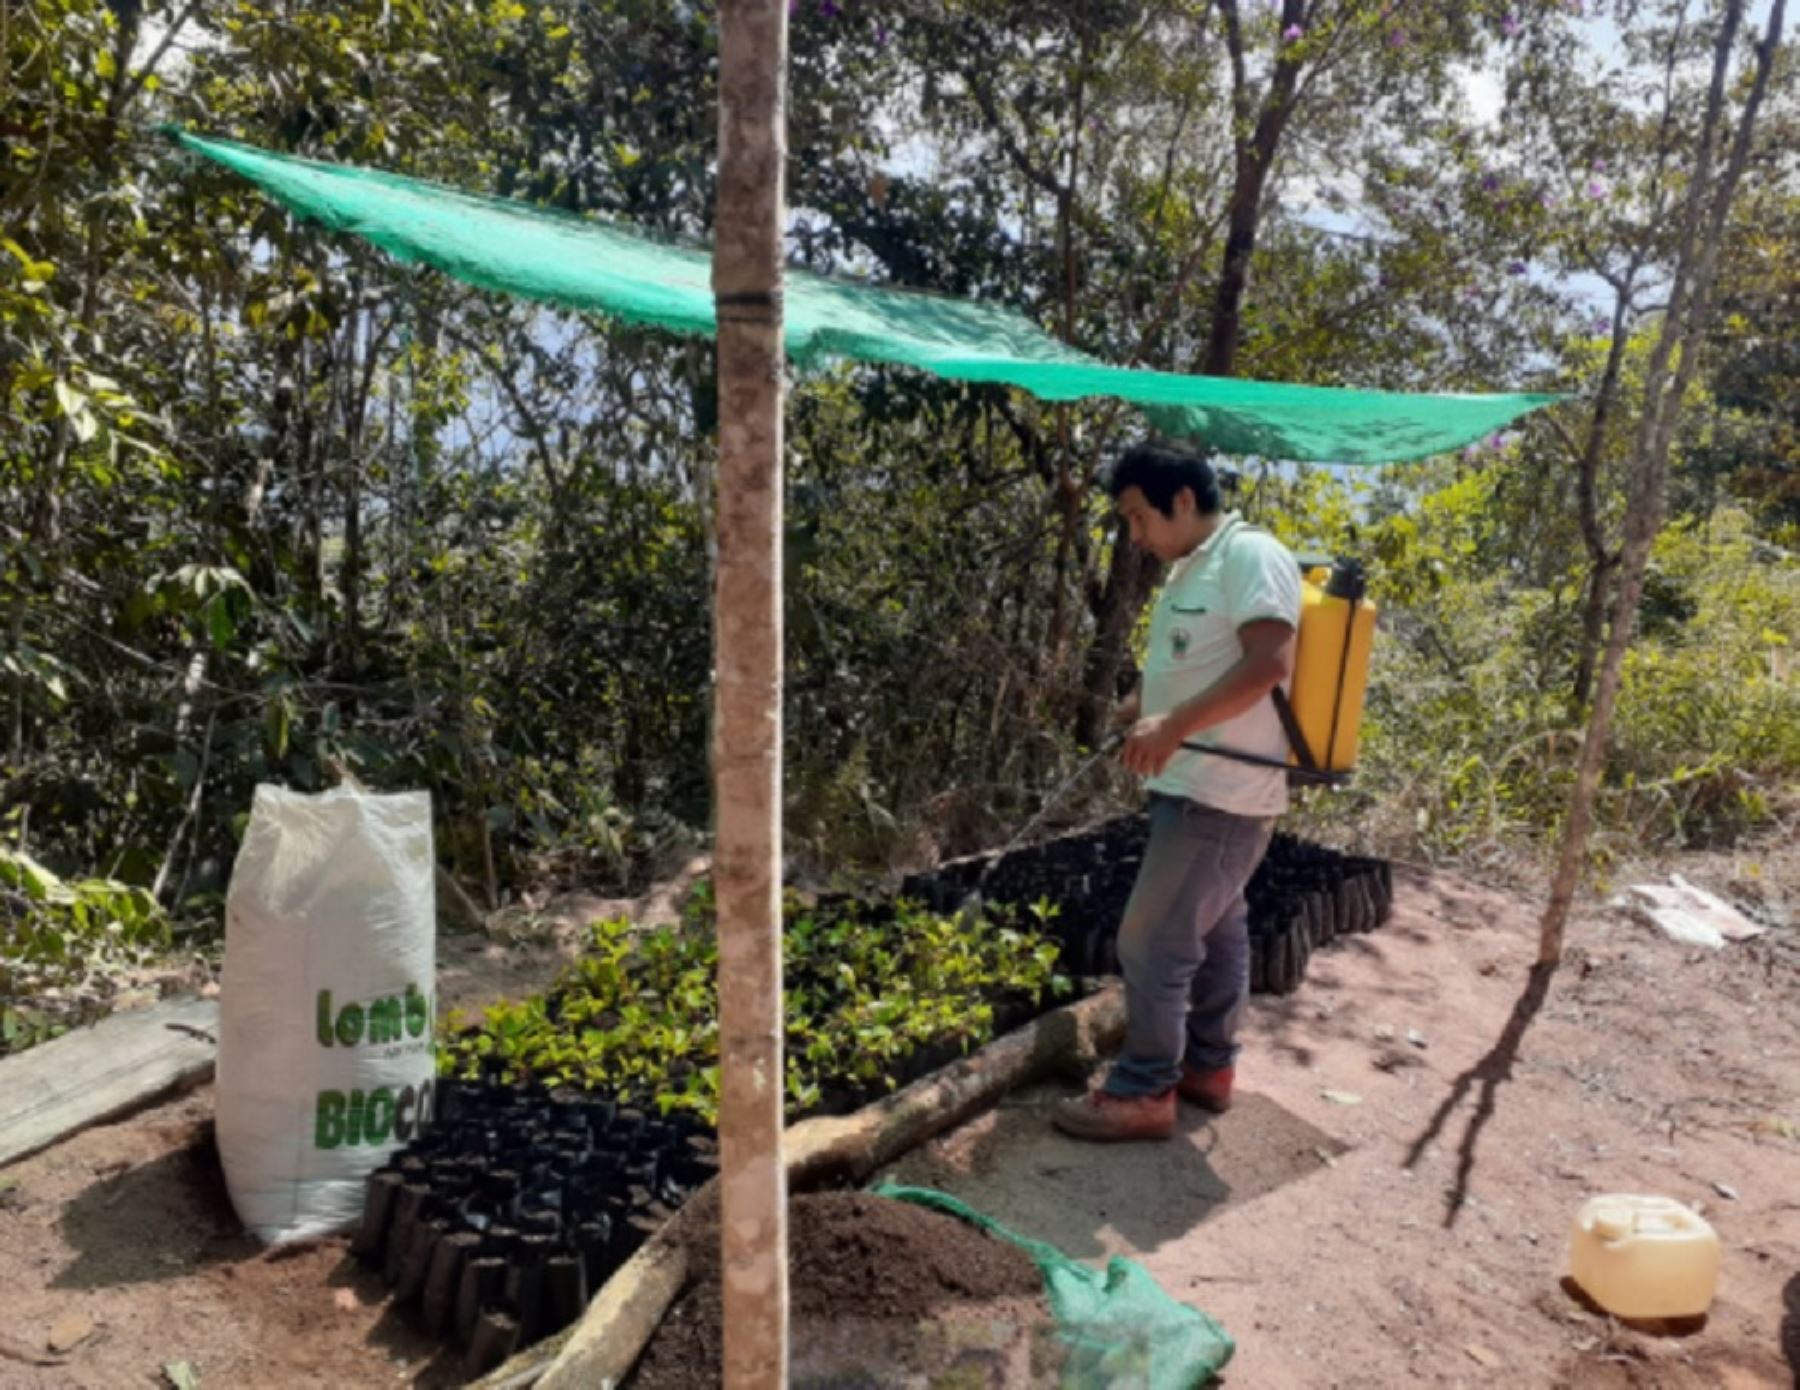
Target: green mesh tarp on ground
{"x": 579, "y": 263}
{"x": 1120, "y": 1329}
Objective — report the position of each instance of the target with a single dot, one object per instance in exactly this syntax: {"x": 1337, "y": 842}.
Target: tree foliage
{"x": 271, "y": 506}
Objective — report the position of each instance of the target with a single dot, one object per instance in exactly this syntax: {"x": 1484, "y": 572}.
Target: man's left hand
{"x": 1152, "y": 742}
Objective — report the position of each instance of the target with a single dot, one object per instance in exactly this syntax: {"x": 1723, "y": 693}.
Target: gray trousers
{"x": 1184, "y": 946}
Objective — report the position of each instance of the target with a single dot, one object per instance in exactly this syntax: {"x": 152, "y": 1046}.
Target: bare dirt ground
{"x": 127, "y": 1227}
{"x": 1379, "y": 1212}
{"x": 1407, "y": 1229}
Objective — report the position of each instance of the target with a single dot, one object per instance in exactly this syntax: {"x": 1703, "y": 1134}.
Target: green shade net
{"x": 517, "y": 249}
{"x": 1118, "y": 1328}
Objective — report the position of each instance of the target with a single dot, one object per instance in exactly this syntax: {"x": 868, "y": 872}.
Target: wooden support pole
{"x": 747, "y": 638}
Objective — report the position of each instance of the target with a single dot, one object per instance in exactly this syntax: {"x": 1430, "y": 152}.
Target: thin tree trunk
{"x": 1256, "y": 155}
{"x": 309, "y": 472}
{"x": 1129, "y": 580}
{"x": 1259, "y": 129}
{"x": 1705, "y": 220}
{"x": 350, "y": 568}
{"x": 1593, "y": 626}
{"x": 15, "y": 638}
{"x": 1068, "y": 495}
{"x": 365, "y": 341}
{"x": 1240, "y": 244}
{"x": 193, "y": 678}
{"x": 747, "y": 636}
{"x": 1601, "y": 559}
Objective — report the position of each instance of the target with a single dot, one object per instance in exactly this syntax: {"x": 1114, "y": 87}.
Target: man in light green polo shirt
{"x": 1221, "y": 639}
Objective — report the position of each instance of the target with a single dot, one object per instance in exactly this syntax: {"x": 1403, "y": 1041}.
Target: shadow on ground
{"x": 1096, "y": 1200}
{"x": 154, "y": 1221}
{"x": 168, "y": 1219}
{"x": 1485, "y": 1078}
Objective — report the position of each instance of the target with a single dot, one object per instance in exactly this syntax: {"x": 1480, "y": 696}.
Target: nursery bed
{"x": 1302, "y": 897}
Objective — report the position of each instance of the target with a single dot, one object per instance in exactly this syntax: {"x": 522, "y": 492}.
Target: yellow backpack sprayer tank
{"x": 1331, "y": 666}
{"x": 1321, "y": 712}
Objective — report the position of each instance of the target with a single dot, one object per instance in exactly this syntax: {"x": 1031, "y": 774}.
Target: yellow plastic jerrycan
{"x": 1644, "y": 1257}
{"x": 1331, "y": 663}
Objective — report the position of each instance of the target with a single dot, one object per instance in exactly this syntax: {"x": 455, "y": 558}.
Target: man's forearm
{"x": 1239, "y": 689}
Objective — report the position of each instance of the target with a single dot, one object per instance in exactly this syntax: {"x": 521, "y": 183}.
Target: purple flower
{"x": 1495, "y": 442}
{"x": 1471, "y": 452}
{"x": 1598, "y": 166}
{"x": 881, "y": 36}
{"x": 1510, "y": 26}
{"x": 1293, "y": 32}
{"x": 1546, "y": 201}
{"x": 1490, "y": 183}
{"x": 1596, "y": 189}
{"x": 1602, "y": 324}
{"x": 1516, "y": 267}
{"x": 828, "y": 9}
{"x": 1397, "y": 38}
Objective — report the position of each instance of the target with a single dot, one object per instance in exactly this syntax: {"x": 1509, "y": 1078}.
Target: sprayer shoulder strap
{"x": 1290, "y": 725}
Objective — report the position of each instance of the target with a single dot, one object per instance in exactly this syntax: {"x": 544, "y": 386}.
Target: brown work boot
{"x": 1109, "y": 1118}
{"x": 1210, "y": 1090}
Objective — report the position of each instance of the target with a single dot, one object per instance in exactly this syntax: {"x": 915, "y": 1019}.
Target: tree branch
{"x": 144, "y": 74}
{"x": 1021, "y": 161}
{"x": 1240, "y": 80}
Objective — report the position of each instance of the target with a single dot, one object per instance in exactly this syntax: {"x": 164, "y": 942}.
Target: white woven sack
{"x": 326, "y": 1006}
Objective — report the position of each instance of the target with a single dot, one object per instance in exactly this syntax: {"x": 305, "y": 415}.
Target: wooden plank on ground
{"x": 100, "y": 1073}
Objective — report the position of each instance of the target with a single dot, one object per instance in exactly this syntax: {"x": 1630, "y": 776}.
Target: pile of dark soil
{"x": 867, "y": 1277}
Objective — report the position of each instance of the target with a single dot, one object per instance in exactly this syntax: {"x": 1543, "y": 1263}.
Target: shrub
{"x": 59, "y": 940}
{"x": 1470, "y": 739}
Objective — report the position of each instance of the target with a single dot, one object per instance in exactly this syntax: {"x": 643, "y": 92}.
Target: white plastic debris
{"x": 1686, "y": 913}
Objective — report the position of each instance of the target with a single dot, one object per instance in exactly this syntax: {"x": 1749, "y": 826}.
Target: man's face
{"x": 1164, "y": 537}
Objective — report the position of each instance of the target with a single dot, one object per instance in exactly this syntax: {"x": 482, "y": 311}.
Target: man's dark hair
{"x": 1160, "y": 472}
